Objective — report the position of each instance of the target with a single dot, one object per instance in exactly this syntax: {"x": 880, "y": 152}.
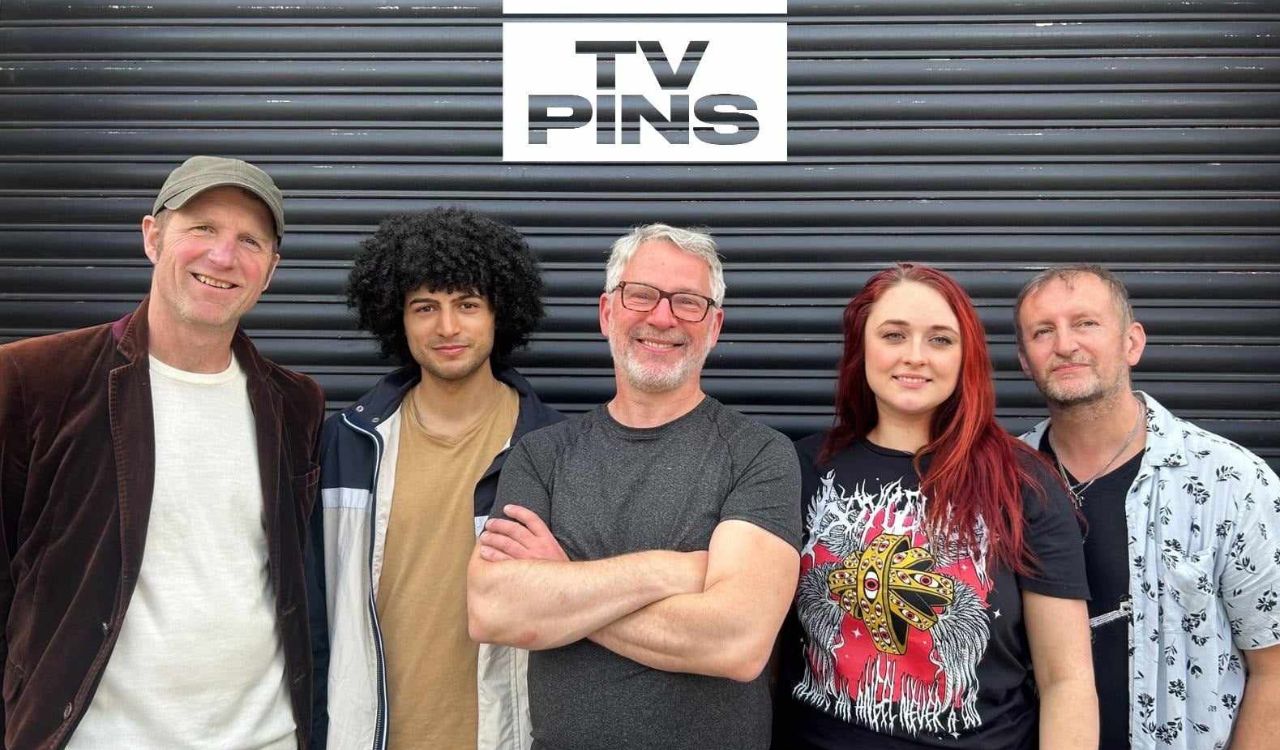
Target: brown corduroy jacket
{"x": 77, "y": 459}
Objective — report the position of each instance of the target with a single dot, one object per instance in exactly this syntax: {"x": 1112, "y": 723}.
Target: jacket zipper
{"x": 380, "y": 725}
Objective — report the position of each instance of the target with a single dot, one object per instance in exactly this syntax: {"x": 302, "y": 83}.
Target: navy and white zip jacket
{"x": 348, "y": 533}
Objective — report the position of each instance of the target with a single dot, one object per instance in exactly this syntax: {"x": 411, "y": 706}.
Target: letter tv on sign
{"x": 626, "y": 92}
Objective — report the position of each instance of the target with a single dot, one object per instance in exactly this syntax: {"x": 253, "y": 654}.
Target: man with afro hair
{"x": 408, "y": 473}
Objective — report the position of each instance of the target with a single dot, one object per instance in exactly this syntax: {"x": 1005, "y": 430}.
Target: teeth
{"x": 213, "y": 282}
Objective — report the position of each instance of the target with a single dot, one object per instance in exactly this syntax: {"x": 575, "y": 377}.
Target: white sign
{"x": 645, "y": 7}
{"x": 644, "y": 92}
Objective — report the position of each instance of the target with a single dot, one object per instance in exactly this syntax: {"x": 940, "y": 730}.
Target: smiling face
{"x": 654, "y": 351}
{"x": 450, "y": 334}
{"x": 1076, "y": 344}
{"x": 213, "y": 258}
{"x": 913, "y": 352}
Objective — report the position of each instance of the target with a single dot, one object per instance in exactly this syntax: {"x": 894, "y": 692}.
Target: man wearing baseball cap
{"x": 154, "y": 477}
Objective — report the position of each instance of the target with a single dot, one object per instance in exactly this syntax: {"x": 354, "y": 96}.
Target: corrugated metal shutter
{"x": 984, "y": 136}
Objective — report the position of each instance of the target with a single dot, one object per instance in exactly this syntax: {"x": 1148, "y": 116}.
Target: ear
{"x": 1022, "y": 364}
{"x": 1135, "y": 342}
{"x": 717, "y": 322}
{"x": 606, "y": 312}
{"x": 271, "y": 272}
{"x": 151, "y": 238}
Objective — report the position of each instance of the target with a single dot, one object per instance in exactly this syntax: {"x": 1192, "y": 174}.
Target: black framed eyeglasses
{"x": 686, "y": 306}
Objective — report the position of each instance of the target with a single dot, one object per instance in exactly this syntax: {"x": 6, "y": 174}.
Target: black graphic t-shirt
{"x": 1106, "y": 559}
{"x": 899, "y": 640}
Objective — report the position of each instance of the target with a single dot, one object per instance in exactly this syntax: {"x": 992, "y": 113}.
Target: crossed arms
{"x": 712, "y": 613}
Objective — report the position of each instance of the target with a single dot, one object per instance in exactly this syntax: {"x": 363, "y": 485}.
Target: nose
{"x": 1064, "y": 342}
{"x": 447, "y": 322}
{"x": 223, "y": 251}
{"x": 662, "y": 316}
{"x": 914, "y": 354}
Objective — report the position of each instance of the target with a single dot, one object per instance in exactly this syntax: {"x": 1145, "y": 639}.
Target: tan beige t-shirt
{"x": 422, "y": 593}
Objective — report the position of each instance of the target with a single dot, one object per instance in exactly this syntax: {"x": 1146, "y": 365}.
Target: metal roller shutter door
{"x": 984, "y": 136}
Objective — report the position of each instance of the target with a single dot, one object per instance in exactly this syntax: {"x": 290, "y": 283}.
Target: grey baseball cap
{"x": 199, "y": 173}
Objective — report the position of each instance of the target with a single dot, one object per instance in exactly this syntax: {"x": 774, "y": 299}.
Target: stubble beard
{"x": 1092, "y": 394}
{"x": 656, "y": 379}
{"x": 453, "y": 376}
{"x": 186, "y": 309}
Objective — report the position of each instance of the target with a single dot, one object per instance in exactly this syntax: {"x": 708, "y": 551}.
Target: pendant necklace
{"x": 1077, "y": 489}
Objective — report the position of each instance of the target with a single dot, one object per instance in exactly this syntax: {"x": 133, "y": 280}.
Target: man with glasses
{"x": 646, "y": 551}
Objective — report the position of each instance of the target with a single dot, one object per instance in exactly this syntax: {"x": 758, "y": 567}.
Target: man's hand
{"x": 520, "y": 555}
{"x": 728, "y": 627}
{"x": 524, "y": 538}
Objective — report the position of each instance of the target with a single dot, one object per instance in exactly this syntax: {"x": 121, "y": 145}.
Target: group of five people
{"x": 450, "y": 563}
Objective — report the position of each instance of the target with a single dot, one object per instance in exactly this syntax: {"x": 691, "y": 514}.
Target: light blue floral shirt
{"x": 1204, "y": 575}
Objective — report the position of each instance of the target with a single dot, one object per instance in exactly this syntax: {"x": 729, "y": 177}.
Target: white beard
{"x": 649, "y": 378}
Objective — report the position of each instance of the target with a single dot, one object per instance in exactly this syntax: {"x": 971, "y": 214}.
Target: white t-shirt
{"x": 198, "y": 663}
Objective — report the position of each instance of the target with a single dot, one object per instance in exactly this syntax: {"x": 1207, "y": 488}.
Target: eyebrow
{"x": 470, "y": 295}
{"x": 681, "y": 290}
{"x": 905, "y": 324}
{"x": 202, "y": 219}
{"x": 1069, "y": 315}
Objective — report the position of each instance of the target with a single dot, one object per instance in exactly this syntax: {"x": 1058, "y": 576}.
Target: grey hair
{"x": 1067, "y": 274}
{"x": 699, "y": 244}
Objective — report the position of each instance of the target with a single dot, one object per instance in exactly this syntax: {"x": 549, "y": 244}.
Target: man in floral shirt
{"x": 1183, "y": 531}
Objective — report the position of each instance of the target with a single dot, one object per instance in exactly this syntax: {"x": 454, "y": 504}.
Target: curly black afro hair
{"x": 446, "y": 250}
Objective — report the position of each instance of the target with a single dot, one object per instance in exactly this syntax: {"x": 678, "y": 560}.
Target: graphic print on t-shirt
{"x": 897, "y": 618}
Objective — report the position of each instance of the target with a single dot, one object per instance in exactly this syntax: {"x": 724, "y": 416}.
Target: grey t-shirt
{"x": 606, "y": 490}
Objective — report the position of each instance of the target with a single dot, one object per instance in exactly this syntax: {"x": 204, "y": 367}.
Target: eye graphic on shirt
{"x": 896, "y": 619}
{"x": 891, "y": 587}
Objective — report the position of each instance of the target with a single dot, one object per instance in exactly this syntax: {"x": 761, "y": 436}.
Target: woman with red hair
{"x": 942, "y": 580}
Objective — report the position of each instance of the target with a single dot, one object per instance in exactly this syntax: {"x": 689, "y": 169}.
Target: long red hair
{"x": 975, "y": 474}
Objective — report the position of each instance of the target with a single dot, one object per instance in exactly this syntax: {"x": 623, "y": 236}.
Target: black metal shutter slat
{"x": 804, "y": 75}
{"x": 386, "y": 145}
{"x": 836, "y": 179}
{"x": 1141, "y": 133}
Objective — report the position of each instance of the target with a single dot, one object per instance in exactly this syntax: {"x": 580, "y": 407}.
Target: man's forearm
{"x": 1258, "y": 724}
{"x": 539, "y": 604}
{"x": 694, "y": 633}
{"x": 727, "y": 630}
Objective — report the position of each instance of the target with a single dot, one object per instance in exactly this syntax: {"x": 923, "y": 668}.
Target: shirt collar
{"x": 1164, "y": 437}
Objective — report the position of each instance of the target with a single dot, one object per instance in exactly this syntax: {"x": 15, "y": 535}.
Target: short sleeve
{"x": 1250, "y": 577}
{"x": 1052, "y": 532}
{"x": 766, "y": 491}
{"x": 521, "y": 481}
{"x": 807, "y": 451}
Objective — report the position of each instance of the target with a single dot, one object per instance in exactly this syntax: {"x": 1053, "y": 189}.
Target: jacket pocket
{"x": 305, "y": 488}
